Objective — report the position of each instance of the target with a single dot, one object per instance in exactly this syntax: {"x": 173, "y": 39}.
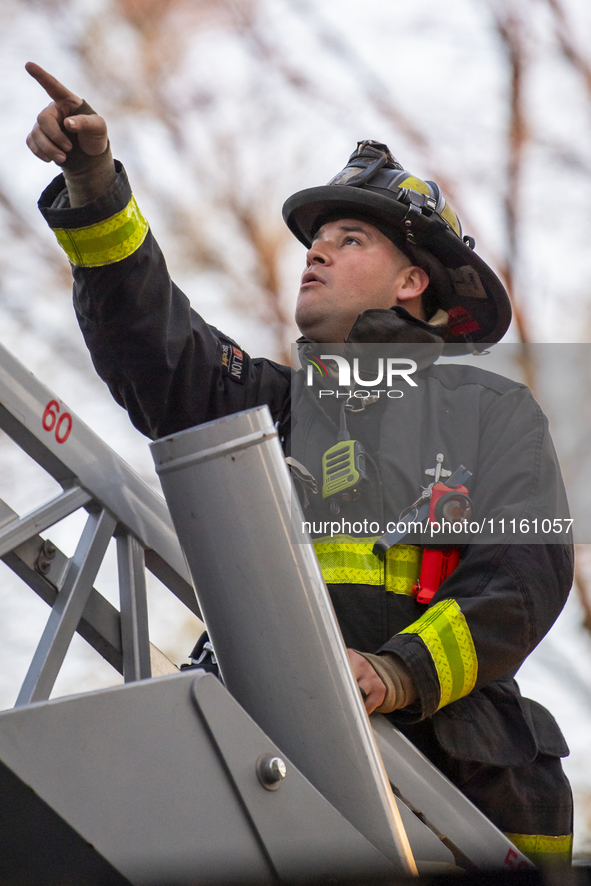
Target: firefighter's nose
{"x": 316, "y": 255}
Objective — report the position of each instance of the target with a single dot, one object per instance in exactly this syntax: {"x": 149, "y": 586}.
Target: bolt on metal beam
{"x": 42, "y": 518}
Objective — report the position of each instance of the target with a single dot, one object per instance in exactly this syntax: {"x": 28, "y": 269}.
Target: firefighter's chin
{"x": 314, "y": 323}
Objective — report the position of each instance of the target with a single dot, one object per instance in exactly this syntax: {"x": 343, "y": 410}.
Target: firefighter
{"x": 386, "y": 262}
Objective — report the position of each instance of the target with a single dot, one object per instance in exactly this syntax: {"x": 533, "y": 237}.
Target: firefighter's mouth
{"x": 311, "y": 277}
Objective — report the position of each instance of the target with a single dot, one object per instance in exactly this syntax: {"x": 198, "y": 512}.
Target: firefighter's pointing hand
{"x": 74, "y": 136}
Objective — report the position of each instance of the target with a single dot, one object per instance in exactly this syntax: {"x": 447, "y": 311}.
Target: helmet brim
{"x": 478, "y": 305}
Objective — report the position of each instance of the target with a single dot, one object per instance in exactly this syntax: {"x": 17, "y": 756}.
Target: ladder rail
{"x": 119, "y": 504}
{"x": 61, "y": 443}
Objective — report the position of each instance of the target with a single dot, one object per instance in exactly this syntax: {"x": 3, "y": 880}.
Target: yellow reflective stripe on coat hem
{"x": 106, "y": 242}
{"x": 445, "y": 632}
{"x": 541, "y": 849}
{"x": 346, "y": 559}
{"x": 403, "y": 567}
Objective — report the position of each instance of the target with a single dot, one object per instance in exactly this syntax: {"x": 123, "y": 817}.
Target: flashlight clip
{"x": 425, "y": 506}
{"x": 449, "y": 503}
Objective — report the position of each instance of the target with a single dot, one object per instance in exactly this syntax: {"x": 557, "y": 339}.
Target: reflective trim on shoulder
{"x": 445, "y": 632}
{"x": 106, "y": 242}
{"x": 542, "y": 849}
{"x": 346, "y": 560}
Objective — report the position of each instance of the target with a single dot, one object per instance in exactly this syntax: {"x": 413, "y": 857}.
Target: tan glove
{"x": 394, "y": 674}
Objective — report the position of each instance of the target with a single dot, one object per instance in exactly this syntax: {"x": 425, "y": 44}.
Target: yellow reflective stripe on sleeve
{"x": 106, "y": 242}
{"x": 347, "y": 560}
{"x": 542, "y": 849}
{"x": 445, "y": 632}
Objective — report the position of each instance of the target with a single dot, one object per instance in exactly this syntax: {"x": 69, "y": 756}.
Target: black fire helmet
{"x": 413, "y": 213}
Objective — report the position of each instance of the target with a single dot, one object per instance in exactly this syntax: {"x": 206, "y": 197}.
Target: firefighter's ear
{"x": 414, "y": 283}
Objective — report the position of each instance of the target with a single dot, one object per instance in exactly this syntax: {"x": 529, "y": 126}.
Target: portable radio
{"x": 344, "y": 476}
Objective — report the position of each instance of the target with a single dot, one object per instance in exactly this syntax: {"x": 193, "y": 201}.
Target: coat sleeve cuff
{"x": 55, "y": 208}
{"x": 416, "y": 657}
{"x": 102, "y": 232}
{"x": 444, "y": 635}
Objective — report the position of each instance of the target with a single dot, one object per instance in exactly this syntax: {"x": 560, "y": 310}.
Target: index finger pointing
{"x": 55, "y": 90}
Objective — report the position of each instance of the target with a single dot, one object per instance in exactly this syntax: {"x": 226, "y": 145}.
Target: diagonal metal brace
{"x": 42, "y": 518}
{"x": 68, "y": 608}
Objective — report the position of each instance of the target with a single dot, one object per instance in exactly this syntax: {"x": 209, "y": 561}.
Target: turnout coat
{"x": 171, "y": 370}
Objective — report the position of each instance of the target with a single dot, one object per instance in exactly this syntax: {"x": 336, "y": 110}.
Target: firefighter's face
{"x": 351, "y": 267}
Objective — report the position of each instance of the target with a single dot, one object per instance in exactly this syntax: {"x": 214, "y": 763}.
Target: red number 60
{"x": 50, "y": 420}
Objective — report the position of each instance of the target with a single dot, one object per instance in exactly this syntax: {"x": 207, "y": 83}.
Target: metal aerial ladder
{"x": 181, "y": 778}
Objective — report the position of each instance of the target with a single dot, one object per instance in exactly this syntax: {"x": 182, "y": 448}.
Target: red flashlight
{"x": 450, "y": 510}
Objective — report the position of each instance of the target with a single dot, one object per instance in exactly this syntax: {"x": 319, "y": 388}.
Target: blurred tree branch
{"x": 568, "y": 43}
{"x": 583, "y": 582}
{"x": 510, "y": 28}
{"x": 379, "y": 93}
